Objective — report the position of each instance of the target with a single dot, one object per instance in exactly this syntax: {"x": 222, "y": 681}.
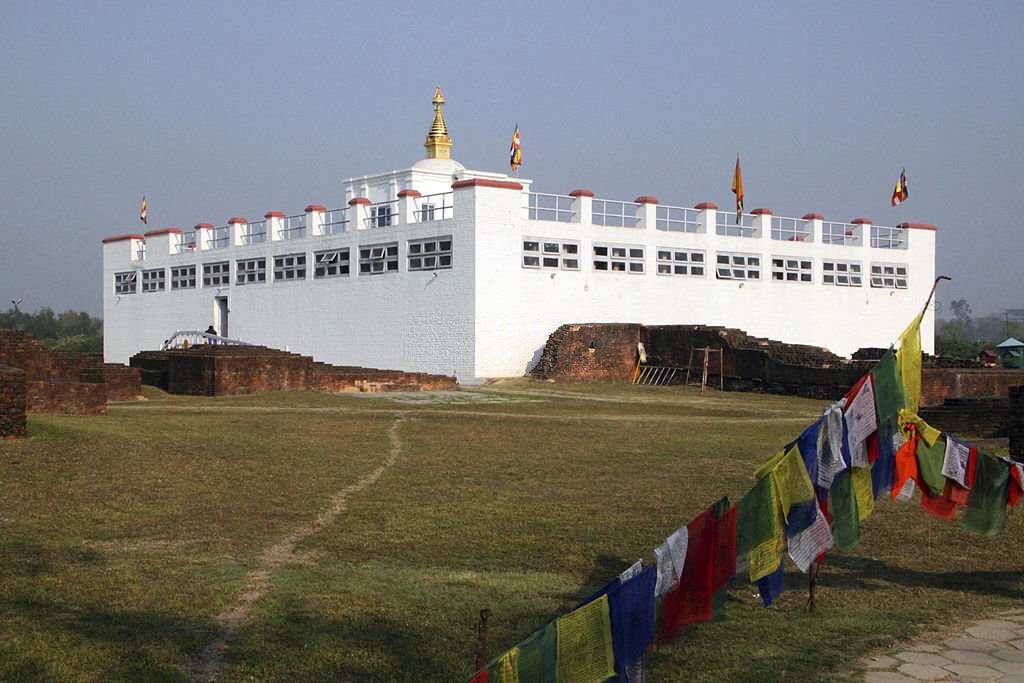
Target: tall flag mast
{"x": 901, "y": 193}
{"x": 737, "y": 188}
{"x": 515, "y": 153}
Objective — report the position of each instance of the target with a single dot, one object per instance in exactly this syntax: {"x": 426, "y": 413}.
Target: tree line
{"x": 965, "y": 336}
{"x": 67, "y": 331}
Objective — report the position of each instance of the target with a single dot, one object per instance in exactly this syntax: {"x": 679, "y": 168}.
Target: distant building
{"x": 442, "y": 269}
{"x": 1011, "y": 353}
{"x": 988, "y": 358}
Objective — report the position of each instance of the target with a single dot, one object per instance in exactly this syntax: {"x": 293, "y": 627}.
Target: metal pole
{"x": 481, "y": 638}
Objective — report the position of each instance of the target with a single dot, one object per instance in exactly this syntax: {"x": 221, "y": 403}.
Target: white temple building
{"x": 442, "y": 269}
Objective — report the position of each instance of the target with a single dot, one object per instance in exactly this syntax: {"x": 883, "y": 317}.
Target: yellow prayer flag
{"x": 506, "y": 669}
{"x": 862, "y": 490}
{"x": 585, "y": 644}
{"x": 928, "y": 433}
{"x": 908, "y": 361}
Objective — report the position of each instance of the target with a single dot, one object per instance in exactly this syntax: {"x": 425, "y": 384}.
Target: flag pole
{"x": 932, "y": 293}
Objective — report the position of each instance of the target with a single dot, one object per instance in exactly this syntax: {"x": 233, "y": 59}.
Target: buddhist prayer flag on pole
{"x": 900, "y": 193}
{"x": 515, "y": 154}
{"x": 142, "y": 210}
{"x": 737, "y": 188}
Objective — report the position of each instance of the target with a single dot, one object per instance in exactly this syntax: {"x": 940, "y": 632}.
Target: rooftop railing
{"x": 791, "y": 229}
{"x": 614, "y": 214}
{"x": 888, "y": 238}
{"x": 677, "y": 219}
{"x": 336, "y": 221}
{"x": 847, "y": 234}
{"x": 293, "y": 227}
{"x": 434, "y": 207}
{"x": 726, "y": 225}
{"x": 254, "y": 233}
{"x": 550, "y": 207}
{"x": 382, "y": 215}
{"x": 221, "y": 237}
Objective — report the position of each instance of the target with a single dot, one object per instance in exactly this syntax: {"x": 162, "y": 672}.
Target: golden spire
{"x": 438, "y": 144}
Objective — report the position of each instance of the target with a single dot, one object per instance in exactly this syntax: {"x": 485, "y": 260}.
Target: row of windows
{"x": 433, "y": 253}
{"x": 562, "y": 255}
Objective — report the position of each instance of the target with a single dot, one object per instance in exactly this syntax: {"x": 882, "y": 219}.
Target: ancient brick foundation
{"x": 970, "y": 416}
{"x": 1015, "y": 423}
{"x": 226, "y": 370}
{"x": 12, "y": 402}
{"x": 63, "y": 382}
{"x": 938, "y": 384}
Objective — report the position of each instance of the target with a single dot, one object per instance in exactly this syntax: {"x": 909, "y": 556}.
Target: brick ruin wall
{"x": 228, "y": 370}
{"x": 65, "y": 382}
{"x": 12, "y": 402}
{"x": 1015, "y": 423}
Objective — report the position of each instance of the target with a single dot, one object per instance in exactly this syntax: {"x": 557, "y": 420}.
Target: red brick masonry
{"x": 225, "y": 370}
{"x": 12, "y": 402}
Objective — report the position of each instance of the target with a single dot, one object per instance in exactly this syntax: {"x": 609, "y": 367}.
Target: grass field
{"x": 306, "y": 536}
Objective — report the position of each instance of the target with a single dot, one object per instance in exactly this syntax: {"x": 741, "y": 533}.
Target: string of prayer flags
{"x": 538, "y": 656}
{"x": 889, "y": 400}
{"x": 811, "y": 543}
{"x": 758, "y": 535}
{"x": 506, "y": 668}
{"x": 771, "y": 586}
{"x": 585, "y": 644}
{"x": 1016, "y": 485}
{"x": 956, "y": 462}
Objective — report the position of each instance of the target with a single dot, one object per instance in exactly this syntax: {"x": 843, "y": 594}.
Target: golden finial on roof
{"x": 438, "y": 144}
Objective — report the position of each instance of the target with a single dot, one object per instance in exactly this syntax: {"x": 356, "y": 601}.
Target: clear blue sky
{"x": 217, "y": 109}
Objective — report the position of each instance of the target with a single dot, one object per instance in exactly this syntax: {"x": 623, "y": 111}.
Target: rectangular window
{"x": 154, "y": 280}
{"x": 216, "y": 274}
{"x": 738, "y": 267}
{"x": 124, "y": 283}
{"x": 621, "y": 258}
{"x": 551, "y": 254}
{"x": 250, "y": 271}
{"x": 841, "y": 273}
{"x": 786, "y": 269}
{"x": 183, "y": 277}
{"x": 889, "y": 275}
{"x": 290, "y": 267}
{"x": 434, "y": 253}
{"x": 380, "y": 216}
{"x": 376, "y": 259}
{"x": 680, "y": 262}
{"x": 333, "y": 263}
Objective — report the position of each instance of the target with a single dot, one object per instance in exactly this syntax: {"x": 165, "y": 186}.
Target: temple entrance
{"x": 220, "y": 315}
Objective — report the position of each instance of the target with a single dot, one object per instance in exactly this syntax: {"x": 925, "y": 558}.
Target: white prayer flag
{"x": 958, "y": 457}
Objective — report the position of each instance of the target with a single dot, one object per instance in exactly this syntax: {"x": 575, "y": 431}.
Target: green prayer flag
{"x": 888, "y": 387}
{"x": 537, "y": 658}
{"x": 929, "y": 465}
{"x": 845, "y": 518}
{"x": 985, "y": 512}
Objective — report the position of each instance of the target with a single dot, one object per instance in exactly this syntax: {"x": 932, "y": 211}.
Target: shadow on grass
{"x": 866, "y": 572}
{"x": 148, "y": 646}
{"x": 33, "y": 559}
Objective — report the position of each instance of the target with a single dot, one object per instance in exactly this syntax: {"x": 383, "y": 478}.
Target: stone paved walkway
{"x": 990, "y": 650}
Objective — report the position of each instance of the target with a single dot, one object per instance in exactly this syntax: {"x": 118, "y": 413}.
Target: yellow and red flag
{"x": 142, "y": 211}
{"x": 737, "y": 188}
{"x": 515, "y": 154}
{"x": 900, "y": 194}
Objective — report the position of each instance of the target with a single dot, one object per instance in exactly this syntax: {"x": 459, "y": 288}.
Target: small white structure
{"x": 437, "y": 268}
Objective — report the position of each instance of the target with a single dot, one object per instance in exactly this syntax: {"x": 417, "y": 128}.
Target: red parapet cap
{"x": 236, "y": 220}
{"x": 645, "y": 200}
{"x": 704, "y": 206}
{"x": 409, "y": 193}
{"x": 204, "y": 226}
{"x": 581, "y": 193}
{"x": 164, "y": 231}
{"x": 813, "y": 217}
{"x": 316, "y": 208}
{"x": 483, "y": 182}
{"x": 762, "y": 212}
{"x": 359, "y": 200}
{"x": 861, "y": 221}
{"x": 273, "y": 214}
{"x": 916, "y": 226}
{"x": 121, "y": 238}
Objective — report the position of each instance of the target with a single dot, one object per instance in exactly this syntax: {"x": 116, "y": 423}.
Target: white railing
{"x": 140, "y": 253}
{"x": 725, "y": 224}
{"x": 185, "y": 242}
{"x": 613, "y": 214}
{"x": 887, "y": 238}
{"x": 183, "y": 339}
{"x": 677, "y": 219}
{"x": 221, "y": 237}
{"x": 434, "y": 207}
{"x": 847, "y": 234}
{"x": 293, "y": 227}
{"x": 550, "y": 207}
{"x": 254, "y": 233}
{"x": 336, "y": 221}
{"x": 791, "y": 229}
{"x": 382, "y": 215}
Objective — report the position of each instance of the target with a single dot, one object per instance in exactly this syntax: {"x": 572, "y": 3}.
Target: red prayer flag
{"x": 690, "y": 601}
